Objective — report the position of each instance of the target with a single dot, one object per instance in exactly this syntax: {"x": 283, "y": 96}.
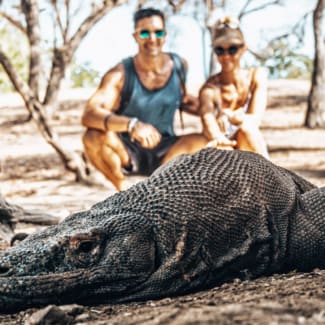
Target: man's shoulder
{"x": 116, "y": 74}
{"x": 174, "y": 55}
{"x": 181, "y": 61}
{"x": 180, "y": 65}
{"x": 126, "y": 60}
{"x": 120, "y": 67}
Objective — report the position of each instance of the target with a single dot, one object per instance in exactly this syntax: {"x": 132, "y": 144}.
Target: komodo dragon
{"x": 198, "y": 221}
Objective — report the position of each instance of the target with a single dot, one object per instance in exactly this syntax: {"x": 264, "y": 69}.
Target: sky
{"x": 111, "y": 39}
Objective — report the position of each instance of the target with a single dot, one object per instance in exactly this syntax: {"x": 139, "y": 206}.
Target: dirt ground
{"x": 32, "y": 176}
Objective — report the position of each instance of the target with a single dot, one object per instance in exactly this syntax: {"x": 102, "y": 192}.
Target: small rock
{"x": 50, "y": 315}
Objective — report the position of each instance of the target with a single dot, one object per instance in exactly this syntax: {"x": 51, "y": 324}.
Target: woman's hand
{"x": 235, "y": 117}
{"x": 222, "y": 142}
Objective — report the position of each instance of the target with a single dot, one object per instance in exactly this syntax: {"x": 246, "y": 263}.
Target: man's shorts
{"x": 145, "y": 161}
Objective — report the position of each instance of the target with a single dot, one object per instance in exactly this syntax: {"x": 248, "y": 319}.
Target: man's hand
{"x": 146, "y": 134}
{"x": 190, "y": 104}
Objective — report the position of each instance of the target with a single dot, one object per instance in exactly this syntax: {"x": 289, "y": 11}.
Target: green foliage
{"x": 285, "y": 61}
{"x": 15, "y": 45}
{"x": 82, "y": 75}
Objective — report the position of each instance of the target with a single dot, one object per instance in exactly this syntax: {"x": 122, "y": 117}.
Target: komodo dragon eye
{"x": 84, "y": 249}
{"x": 87, "y": 246}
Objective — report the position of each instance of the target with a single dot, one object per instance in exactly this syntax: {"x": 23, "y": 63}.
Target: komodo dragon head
{"x": 90, "y": 255}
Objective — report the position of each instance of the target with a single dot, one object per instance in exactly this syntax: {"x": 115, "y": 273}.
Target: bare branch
{"x": 18, "y": 82}
{"x": 62, "y": 56}
{"x": 32, "y": 104}
{"x": 210, "y": 5}
{"x": 257, "y": 55}
{"x": 297, "y": 29}
{"x": 67, "y": 20}
{"x": 244, "y": 12}
{"x": 77, "y": 9}
{"x": 141, "y": 3}
{"x": 89, "y": 22}
{"x": 58, "y": 19}
{"x": 31, "y": 12}
{"x": 13, "y": 22}
{"x": 176, "y": 6}
{"x": 243, "y": 9}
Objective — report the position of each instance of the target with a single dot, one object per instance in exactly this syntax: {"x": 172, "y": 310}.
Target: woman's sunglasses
{"x": 231, "y": 50}
{"x": 145, "y": 34}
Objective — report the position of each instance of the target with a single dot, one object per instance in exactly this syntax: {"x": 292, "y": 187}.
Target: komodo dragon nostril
{"x": 4, "y": 269}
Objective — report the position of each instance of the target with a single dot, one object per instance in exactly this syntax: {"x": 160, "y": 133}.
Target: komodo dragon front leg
{"x": 198, "y": 221}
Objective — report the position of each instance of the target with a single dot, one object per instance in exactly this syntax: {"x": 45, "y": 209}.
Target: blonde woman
{"x": 232, "y": 102}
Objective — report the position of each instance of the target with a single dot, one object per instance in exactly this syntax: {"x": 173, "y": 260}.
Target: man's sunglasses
{"x": 145, "y": 34}
{"x": 231, "y": 50}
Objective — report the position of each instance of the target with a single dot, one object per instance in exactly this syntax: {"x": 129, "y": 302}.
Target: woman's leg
{"x": 251, "y": 139}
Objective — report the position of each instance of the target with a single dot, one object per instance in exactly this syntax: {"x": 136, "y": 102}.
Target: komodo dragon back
{"x": 198, "y": 221}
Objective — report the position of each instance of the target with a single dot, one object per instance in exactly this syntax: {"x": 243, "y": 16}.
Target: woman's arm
{"x": 211, "y": 130}
{"x": 257, "y": 103}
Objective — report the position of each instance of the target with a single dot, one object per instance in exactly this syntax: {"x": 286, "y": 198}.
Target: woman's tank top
{"x": 156, "y": 107}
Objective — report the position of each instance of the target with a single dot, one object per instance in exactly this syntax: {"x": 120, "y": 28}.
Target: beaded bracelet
{"x": 105, "y": 122}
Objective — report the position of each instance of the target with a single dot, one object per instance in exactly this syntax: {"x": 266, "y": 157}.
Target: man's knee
{"x": 92, "y": 138}
{"x": 113, "y": 140}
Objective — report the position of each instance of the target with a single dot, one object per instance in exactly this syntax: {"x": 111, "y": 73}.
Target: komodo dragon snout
{"x": 198, "y": 221}
{"x": 75, "y": 261}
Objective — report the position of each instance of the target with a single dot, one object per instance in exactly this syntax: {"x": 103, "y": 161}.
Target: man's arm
{"x": 99, "y": 110}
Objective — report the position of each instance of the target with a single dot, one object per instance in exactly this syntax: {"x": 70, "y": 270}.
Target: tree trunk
{"x": 30, "y": 10}
{"x": 315, "y": 116}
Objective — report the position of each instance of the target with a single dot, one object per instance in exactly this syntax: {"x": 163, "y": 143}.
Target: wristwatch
{"x": 131, "y": 125}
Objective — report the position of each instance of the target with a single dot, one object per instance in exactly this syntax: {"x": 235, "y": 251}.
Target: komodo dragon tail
{"x": 308, "y": 231}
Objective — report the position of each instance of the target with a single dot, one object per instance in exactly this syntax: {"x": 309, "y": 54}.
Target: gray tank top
{"x": 156, "y": 107}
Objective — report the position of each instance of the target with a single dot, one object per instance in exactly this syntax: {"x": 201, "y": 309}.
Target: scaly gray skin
{"x": 197, "y": 222}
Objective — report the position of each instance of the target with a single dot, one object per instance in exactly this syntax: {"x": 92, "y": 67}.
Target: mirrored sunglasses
{"x": 231, "y": 50}
{"x": 145, "y": 34}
